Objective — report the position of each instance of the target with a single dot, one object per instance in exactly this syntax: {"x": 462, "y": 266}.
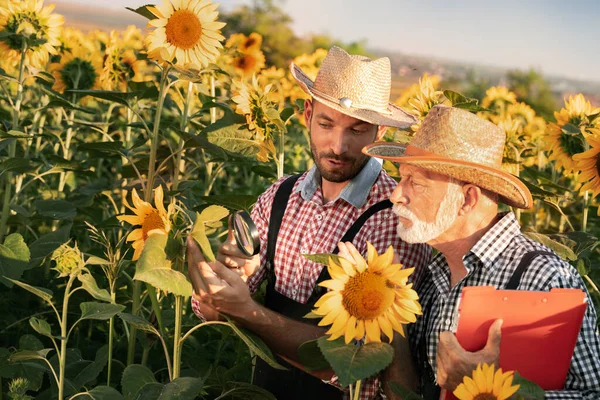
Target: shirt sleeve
{"x": 583, "y": 378}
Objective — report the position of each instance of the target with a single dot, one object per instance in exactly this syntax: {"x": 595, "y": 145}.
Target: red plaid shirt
{"x": 311, "y": 226}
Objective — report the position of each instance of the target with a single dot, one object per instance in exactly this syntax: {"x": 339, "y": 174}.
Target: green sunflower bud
{"x": 69, "y": 260}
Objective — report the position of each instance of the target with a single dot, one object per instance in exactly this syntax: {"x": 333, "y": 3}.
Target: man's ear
{"x": 308, "y": 110}
{"x": 380, "y": 132}
{"x": 472, "y": 195}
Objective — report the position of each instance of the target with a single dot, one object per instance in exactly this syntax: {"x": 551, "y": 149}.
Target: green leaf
{"x": 46, "y": 244}
{"x": 102, "y": 393}
{"x": 20, "y": 210}
{"x": 102, "y": 147}
{"x": 563, "y": 251}
{"x": 24, "y": 355}
{"x": 134, "y": 378}
{"x": 311, "y": 357}
{"x": 402, "y": 392}
{"x": 154, "y": 268}
{"x": 246, "y": 391}
{"x": 93, "y": 369}
{"x": 232, "y": 201}
{"x": 143, "y": 11}
{"x": 138, "y": 322}
{"x": 14, "y": 247}
{"x": 312, "y": 315}
{"x": 18, "y": 165}
{"x": 454, "y": 97}
{"x": 40, "y": 326}
{"x": 58, "y": 100}
{"x": 110, "y": 95}
{"x": 44, "y": 293}
{"x": 56, "y": 209}
{"x": 100, "y": 311}
{"x": 14, "y": 134}
{"x": 229, "y": 134}
{"x": 286, "y": 113}
{"x": 322, "y": 258}
{"x": 577, "y": 241}
{"x": 256, "y": 345}
{"x": 265, "y": 171}
{"x": 182, "y": 389}
{"x": 89, "y": 284}
{"x": 352, "y": 363}
{"x": 208, "y": 217}
{"x": 212, "y": 214}
{"x": 528, "y": 390}
{"x": 150, "y": 391}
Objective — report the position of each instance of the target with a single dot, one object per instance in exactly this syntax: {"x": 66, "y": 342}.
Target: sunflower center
{"x": 35, "y": 34}
{"x": 485, "y": 396}
{"x": 598, "y": 165}
{"x": 78, "y": 74}
{"x": 367, "y": 295}
{"x": 183, "y": 29}
{"x": 152, "y": 221}
{"x": 571, "y": 142}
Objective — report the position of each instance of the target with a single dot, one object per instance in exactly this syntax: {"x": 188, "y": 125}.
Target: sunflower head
{"x": 588, "y": 164}
{"x": 29, "y": 23}
{"x": 78, "y": 69}
{"x": 69, "y": 260}
{"x": 187, "y": 33}
{"x": 248, "y": 63}
{"x": 498, "y": 98}
{"x": 487, "y": 384}
{"x": 367, "y": 298}
{"x": 121, "y": 65}
{"x": 150, "y": 220}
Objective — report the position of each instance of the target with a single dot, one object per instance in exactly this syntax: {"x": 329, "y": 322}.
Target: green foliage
{"x": 351, "y": 362}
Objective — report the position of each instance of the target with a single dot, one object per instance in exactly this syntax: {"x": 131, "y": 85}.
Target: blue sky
{"x": 556, "y": 37}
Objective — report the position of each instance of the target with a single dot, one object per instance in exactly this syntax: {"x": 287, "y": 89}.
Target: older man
{"x": 451, "y": 183}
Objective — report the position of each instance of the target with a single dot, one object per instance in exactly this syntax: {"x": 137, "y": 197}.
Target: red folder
{"x": 539, "y": 329}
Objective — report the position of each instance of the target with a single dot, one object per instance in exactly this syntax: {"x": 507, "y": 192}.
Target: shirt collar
{"x": 355, "y": 192}
{"x": 494, "y": 241}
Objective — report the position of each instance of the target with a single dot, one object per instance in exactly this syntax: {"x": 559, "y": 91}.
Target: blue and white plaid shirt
{"x": 491, "y": 262}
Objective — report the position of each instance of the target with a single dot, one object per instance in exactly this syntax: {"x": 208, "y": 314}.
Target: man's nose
{"x": 338, "y": 143}
{"x": 398, "y": 196}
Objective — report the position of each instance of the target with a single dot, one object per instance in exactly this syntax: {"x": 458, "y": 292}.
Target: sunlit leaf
{"x": 89, "y": 284}
{"x": 100, "y": 311}
{"x": 563, "y": 251}
{"x": 322, "y": 258}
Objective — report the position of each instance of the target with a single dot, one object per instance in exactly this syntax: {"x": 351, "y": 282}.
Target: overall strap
{"x": 277, "y": 210}
{"x": 515, "y": 279}
{"x": 355, "y": 228}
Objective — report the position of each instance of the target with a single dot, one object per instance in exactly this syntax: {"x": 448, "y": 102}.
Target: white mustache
{"x": 403, "y": 212}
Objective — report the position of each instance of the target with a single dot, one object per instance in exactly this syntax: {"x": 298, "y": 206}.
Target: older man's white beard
{"x": 423, "y": 232}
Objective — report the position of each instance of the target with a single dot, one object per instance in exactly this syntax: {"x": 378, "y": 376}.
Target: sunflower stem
{"x": 12, "y": 148}
{"x": 357, "y": 390}
{"x": 280, "y": 153}
{"x": 111, "y": 325}
{"x": 180, "y": 161}
{"x": 154, "y": 139}
{"x": 177, "y": 337}
{"x": 66, "y": 153}
{"x": 62, "y": 357}
{"x": 135, "y": 308}
{"x": 586, "y": 210}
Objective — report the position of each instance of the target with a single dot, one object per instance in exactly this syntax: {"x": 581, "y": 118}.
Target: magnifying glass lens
{"x": 246, "y": 233}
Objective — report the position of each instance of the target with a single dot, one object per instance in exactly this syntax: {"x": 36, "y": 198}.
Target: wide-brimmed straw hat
{"x": 356, "y": 86}
{"x": 459, "y": 144}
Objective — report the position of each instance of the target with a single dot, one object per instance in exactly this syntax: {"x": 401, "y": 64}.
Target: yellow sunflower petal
{"x": 373, "y": 331}
{"x": 350, "y": 330}
{"x": 462, "y": 393}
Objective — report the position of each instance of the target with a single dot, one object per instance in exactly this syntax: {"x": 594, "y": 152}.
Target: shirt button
{"x": 319, "y": 217}
{"x": 294, "y": 291}
{"x": 448, "y": 322}
{"x": 302, "y": 250}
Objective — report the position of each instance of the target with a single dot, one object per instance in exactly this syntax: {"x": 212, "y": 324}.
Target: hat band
{"x": 417, "y": 151}
{"x": 359, "y": 106}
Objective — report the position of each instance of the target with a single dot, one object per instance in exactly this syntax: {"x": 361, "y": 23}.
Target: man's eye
{"x": 324, "y": 126}
{"x": 357, "y": 131}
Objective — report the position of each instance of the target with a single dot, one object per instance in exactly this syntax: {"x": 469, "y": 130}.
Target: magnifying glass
{"x": 245, "y": 233}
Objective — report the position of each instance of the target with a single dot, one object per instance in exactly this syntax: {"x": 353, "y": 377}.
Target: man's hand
{"x": 454, "y": 362}
{"x": 216, "y": 286}
{"x": 231, "y": 256}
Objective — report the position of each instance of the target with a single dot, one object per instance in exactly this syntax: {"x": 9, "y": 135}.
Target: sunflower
{"x": 566, "y": 137}
{"x": 424, "y": 100}
{"x": 249, "y": 62}
{"x": 152, "y": 220}
{"x": 588, "y": 163}
{"x": 120, "y": 65}
{"x": 498, "y": 98}
{"x": 371, "y": 298}
{"x": 487, "y": 384}
{"x": 29, "y": 18}
{"x": 78, "y": 69}
{"x": 187, "y": 31}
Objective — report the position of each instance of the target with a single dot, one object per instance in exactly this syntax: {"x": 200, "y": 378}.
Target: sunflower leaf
{"x": 100, "y": 311}
{"x": 89, "y": 284}
{"x": 322, "y": 258}
{"x": 311, "y": 356}
{"x": 403, "y": 392}
{"x": 561, "y": 249}
{"x": 154, "y": 268}
{"x": 143, "y": 11}
{"x": 528, "y": 390}
{"x": 351, "y": 362}
{"x": 231, "y": 201}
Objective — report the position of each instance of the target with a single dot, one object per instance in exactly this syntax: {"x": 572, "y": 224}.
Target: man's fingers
{"x": 396, "y": 258}
{"x": 231, "y": 261}
{"x": 356, "y": 256}
{"x": 494, "y": 337}
{"x": 224, "y": 273}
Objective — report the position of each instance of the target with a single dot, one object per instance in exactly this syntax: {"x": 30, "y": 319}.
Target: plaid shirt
{"x": 491, "y": 262}
{"x": 311, "y": 225}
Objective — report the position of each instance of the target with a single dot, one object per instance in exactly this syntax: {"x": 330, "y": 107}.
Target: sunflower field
{"x": 115, "y": 146}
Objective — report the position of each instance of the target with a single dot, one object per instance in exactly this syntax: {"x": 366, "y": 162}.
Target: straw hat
{"x": 356, "y": 86}
{"x": 459, "y": 144}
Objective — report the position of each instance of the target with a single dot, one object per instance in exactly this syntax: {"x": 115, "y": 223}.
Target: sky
{"x": 555, "y": 37}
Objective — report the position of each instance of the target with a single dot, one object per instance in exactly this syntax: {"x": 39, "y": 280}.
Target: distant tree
{"x": 531, "y": 88}
{"x": 280, "y": 43}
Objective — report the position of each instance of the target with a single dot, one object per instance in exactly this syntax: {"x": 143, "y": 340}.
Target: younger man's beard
{"x": 423, "y": 232}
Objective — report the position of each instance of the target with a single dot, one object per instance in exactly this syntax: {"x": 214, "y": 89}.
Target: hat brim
{"x": 512, "y": 190}
{"x": 396, "y": 116}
